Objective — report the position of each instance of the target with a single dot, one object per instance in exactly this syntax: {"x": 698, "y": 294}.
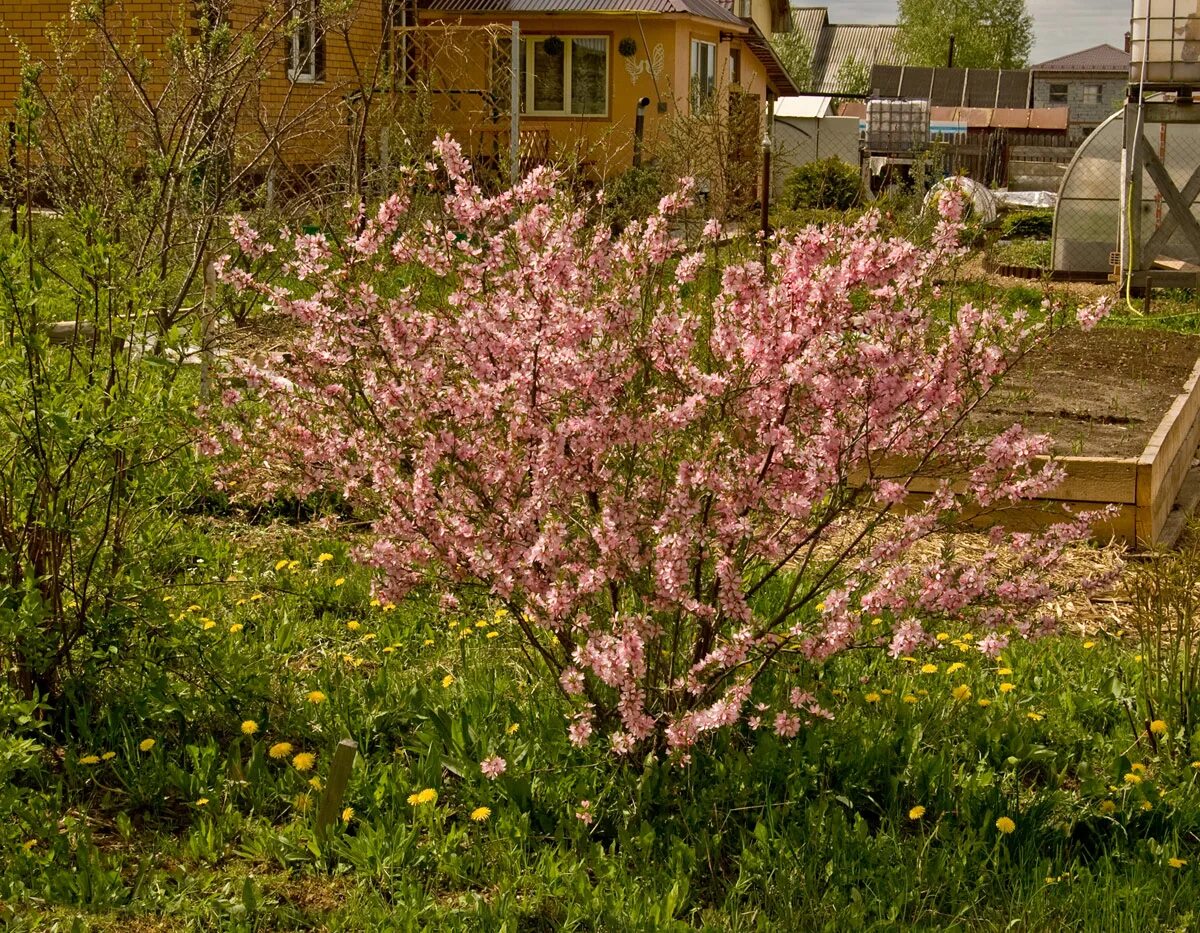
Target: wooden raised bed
{"x": 1123, "y": 407}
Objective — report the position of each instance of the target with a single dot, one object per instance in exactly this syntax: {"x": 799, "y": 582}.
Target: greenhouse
{"x": 1087, "y": 220}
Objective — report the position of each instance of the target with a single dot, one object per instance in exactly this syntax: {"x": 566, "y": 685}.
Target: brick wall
{"x": 312, "y": 117}
{"x": 1085, "y": 113}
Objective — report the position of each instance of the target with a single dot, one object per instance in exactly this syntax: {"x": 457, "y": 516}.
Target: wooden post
{"x": 514, "y": 120}
{"x": 335, "y": 786}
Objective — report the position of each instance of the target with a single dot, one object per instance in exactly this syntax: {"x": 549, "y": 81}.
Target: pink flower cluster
{"x": 632, "y": 466}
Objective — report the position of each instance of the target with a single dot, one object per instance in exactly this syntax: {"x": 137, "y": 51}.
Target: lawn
{"x": 949, "y": 790}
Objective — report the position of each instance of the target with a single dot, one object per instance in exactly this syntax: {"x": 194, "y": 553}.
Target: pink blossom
{"x": 548, "y": 414}
{"x": 493, "y": 767}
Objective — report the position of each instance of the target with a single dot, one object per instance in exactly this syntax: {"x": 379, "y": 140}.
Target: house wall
{"x": 311, "y": 117}
{"x": 1083, "y": 116}
{"x": 602, "y": 145}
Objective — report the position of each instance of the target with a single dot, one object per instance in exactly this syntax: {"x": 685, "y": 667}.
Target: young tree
{"x": 987, "y": 33}
{"x": 796, "y": 56}
{"x": 688, "y": 498}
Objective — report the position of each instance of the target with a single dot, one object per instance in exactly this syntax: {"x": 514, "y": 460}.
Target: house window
{"x": 1093, "y": 93}
{"x": 704, "y": 71}
{"x": 565, "y": 76}
{"x": 399, "y": 17}
{"x": 745, "y": 10}
{"x": 306, "y": 44}
{"x": 735, "y": 66}
{"x": 1058, "y": 93}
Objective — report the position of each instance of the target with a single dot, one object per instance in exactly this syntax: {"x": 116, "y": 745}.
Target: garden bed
{"x": 1123, "y": 408}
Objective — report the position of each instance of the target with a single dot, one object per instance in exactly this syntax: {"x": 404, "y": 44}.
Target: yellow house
{"x": 588, "y": 67}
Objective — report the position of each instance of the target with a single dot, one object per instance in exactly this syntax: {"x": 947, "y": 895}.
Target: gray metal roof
{"x": 835, "y": 44}
{"x": 1099, "y": 58}
{"x": 706, "y": 9}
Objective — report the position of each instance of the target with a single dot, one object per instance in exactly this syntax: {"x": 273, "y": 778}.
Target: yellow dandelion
{"x": 908, "y": 659}
{"x": 916, "y": 812}
{"x": 1137, "y": 768}
{"x": 1089, "y": 644}
{"x": 90, "y": 760}
{"x": 28, "y": 844}
{"x": 512, "y": 728}
{"x": 389, "y": 607}
{"x": 943, "y": 636}
{"x": 482, "y": 623}
{"x": 369, "y": 637}
{"x": 1158, "y": 727}
{"x": 1005, "y": 672}
{"x": 1007, "y": 687}
{"x": 922, "y": 692}
{"x": 1177, "y": 862}
{"x": 256, "y": 597}
{"x": 1034, "y": 717}
{"x": 961, "y": 692}
{"x": 280, "y": 750}
{"x": 887, "y": 692}
{"x": 347, "y": 814}
{"x": 235, "y": 628}
{"x": 280, "y": 564}
{"x": 447, "y": 680}
{"x": 314, "y": 782}
{"x": 872, "y": 697}
{"x": 315, "y": 696}
{"x": 877, "y": 621}
{"x": 480, "y": 814}
{"x": 194, "y": 607}
{"x": 1107, "y": 806}
{"x": 145, "y": 745}
{"x": 909, "y": 698}
{"x": 1005, "y": 825}
{"x": 108, "y": 756}
{"x": 984, "y": 702}
{"x": 1133, "y": 778}
{"x": 353, "y": 625}
{"x": 956, "y": 666}
{"x": 304, "y": 761}
{"x": 339, "y": 581}
{"x": 249, "y": 727}
{"x": 493, "y": 634}
{"x": 169, "y": 598}
{"x": 421, "y": 797}
{"x": 375, "y": 604}
{"x": 929, "y": 668}
{"x": 207, "y": 624}
{"x": 427, "y": 642}
{"x": 293, "y": 564}
{"x": 324, "y": 557}
{"x": 202, "y": 802}
{"x": 390, "y": 649}
{"x": 1147, "y": 805}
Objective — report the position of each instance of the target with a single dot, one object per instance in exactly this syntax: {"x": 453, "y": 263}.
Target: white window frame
{"x": 527, "y": 43}
{"x": 709, "y": 51}
{"x": 1092, "y": 94}
{"x": 303, "y": 69}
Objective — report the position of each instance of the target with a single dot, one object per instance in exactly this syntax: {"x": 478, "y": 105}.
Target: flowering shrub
{"x": 687, "y": 498}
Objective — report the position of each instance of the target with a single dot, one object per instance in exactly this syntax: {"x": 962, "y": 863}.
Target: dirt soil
{"x": 1098, "y": 394}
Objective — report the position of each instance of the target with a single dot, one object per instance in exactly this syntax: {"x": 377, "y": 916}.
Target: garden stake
{"x": 335, "y": 788}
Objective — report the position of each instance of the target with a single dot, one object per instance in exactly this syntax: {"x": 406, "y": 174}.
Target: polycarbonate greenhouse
{"x": 1087, "y": 220}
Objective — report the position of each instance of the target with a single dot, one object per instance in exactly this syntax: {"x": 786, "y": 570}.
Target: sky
{"x": 1059, "y": 26}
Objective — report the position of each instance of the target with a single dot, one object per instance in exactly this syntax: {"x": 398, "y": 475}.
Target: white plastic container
{"x": 1166, "y": 38}
{"x": 897, "y": 126}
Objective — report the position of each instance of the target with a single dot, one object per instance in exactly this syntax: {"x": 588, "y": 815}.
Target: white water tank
{"x": 1166, "y": 39}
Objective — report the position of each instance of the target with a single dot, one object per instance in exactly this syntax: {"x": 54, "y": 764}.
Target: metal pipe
{"x": 639, "y": 125}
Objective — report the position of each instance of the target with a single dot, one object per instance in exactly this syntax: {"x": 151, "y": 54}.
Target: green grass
{"x": 756, "y": 834}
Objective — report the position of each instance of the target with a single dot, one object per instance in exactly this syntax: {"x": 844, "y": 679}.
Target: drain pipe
{"x": 639, "y": 126}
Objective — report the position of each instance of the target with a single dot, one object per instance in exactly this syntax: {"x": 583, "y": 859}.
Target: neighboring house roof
{"x": 1099, "y": 58}
{"x": 705, "y": 9}
{"x": 954, "y": 87}
{"x": 834, "y": 45}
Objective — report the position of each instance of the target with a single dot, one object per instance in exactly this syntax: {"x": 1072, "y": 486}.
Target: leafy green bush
{"x": 94, "y": 425}
{"x": 634, "y": 194}
{"x": 828, "y": 184}
{"x": 1027, "y": 225}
